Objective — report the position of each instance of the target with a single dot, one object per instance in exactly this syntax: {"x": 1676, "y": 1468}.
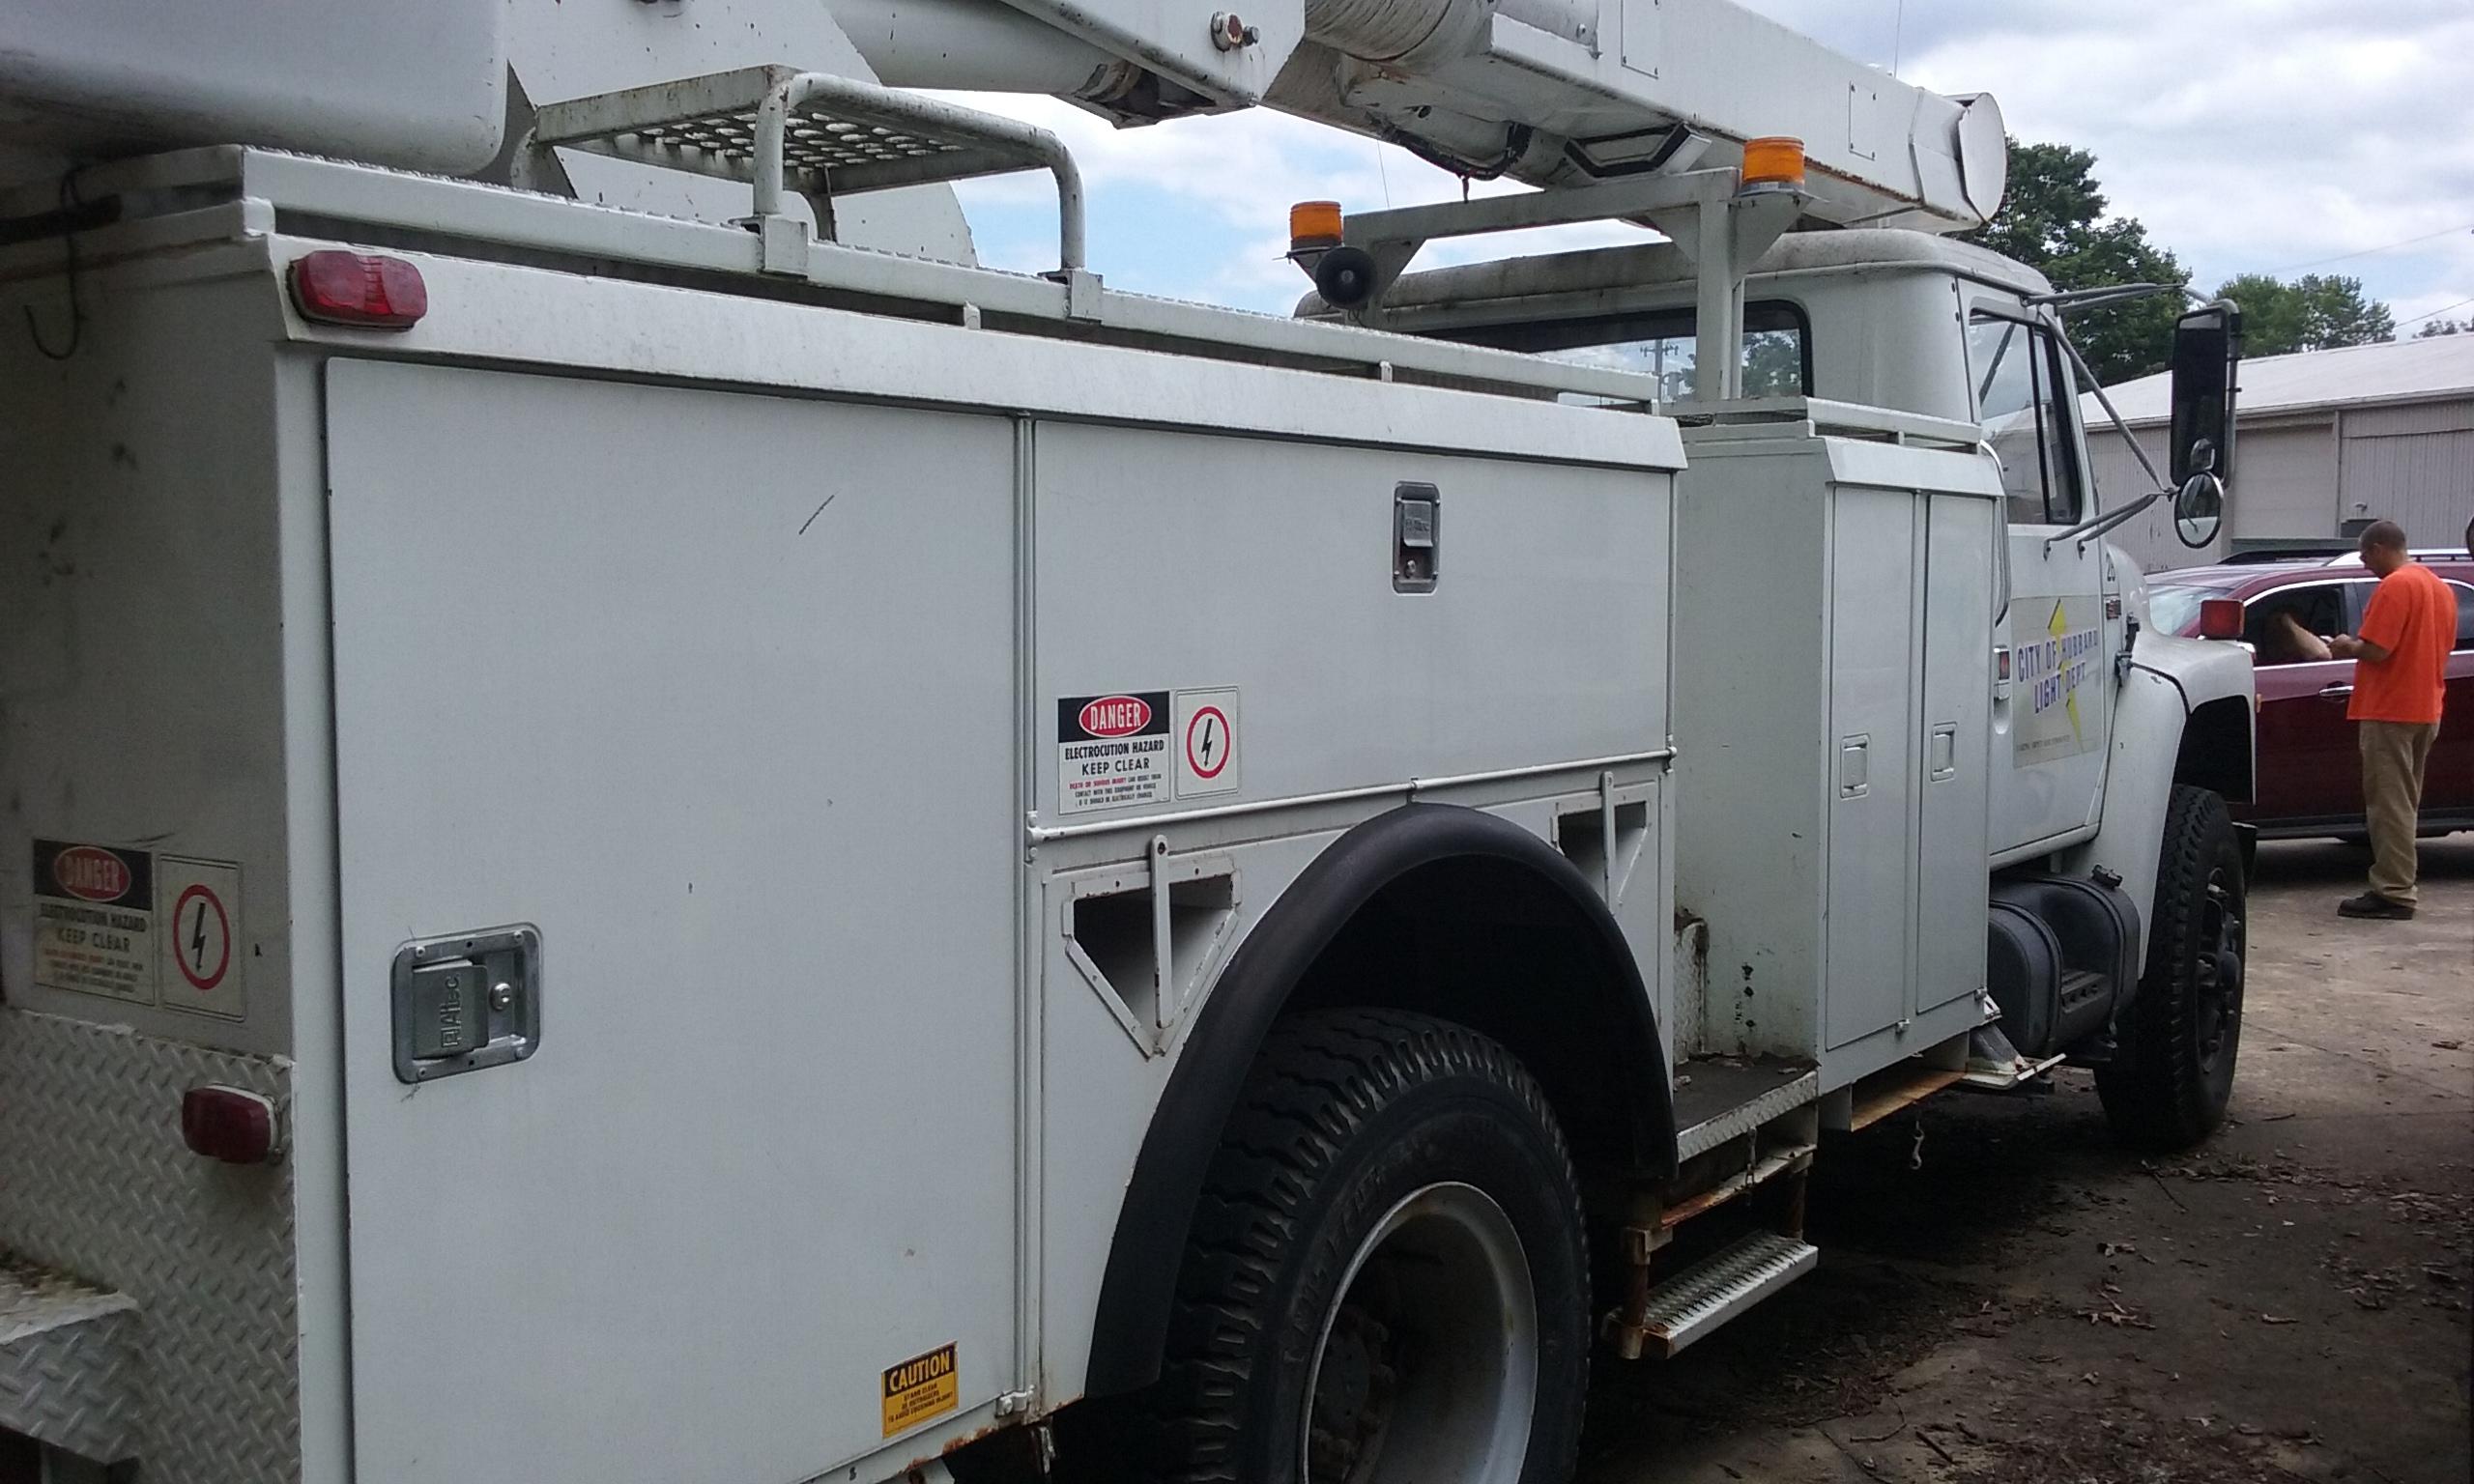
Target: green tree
{"x": 2445, "y": 327}
{"x": 2314, "y": 312}
{"x": 2053, "y": 221}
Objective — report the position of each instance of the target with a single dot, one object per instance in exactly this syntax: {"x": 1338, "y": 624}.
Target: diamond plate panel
{"x": 95, "y": 1182}
{"x": 67, "y": 1363}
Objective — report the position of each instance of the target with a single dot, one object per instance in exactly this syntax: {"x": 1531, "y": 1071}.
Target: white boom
{"x": 1555, "y": 93}
{"x": 1549, "y": 92}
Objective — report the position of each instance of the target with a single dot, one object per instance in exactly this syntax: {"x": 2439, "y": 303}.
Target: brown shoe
{"x": 2372, "y": 905}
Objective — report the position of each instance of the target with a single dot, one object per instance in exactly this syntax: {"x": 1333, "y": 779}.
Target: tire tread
{"x": 2155, "y": 1095}
{"x": 1321, "y": 1078}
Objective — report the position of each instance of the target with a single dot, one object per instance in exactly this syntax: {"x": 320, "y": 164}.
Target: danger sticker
{"x": 95, "y": 920}
{"x": 1111, "y": 751}
{"x": 201, "y": 924}
{"x": 921, "y": 1387}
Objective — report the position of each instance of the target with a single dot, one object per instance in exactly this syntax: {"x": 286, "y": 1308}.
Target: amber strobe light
{"x": 1314, "y": 224}
{"x": 1773, "y": 160}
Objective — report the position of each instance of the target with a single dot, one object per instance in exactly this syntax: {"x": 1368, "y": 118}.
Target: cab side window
{"x": 2290, "y": 626}
{"x": 2023, "y": 394}
{"x": 2465, "y": 617}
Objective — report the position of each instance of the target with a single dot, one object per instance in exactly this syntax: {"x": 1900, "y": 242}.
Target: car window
{"x": 2021, "y": 392}
{"x": 2290, "y": 626}
{"x": 2464, "y": 616}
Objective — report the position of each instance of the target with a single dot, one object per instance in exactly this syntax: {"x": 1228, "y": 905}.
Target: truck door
{"x": 2048, "y": 741}
{"x": 714, "y": 691}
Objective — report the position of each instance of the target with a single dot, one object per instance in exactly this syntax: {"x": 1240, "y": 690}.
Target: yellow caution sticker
{"x": 921, "y": 1387}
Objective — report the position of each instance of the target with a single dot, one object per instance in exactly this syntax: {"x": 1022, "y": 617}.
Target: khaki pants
{"x": 2393, "y": 755}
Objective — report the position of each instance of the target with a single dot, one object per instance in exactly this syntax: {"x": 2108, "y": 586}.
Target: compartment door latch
{"x": 466, "y": 1001}
{"x": 1417, "y": 537}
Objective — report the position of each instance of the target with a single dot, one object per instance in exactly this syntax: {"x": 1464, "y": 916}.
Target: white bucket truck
{"x": 651, "y": 828}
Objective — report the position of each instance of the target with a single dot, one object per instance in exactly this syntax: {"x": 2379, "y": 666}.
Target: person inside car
{"x": 2289, "y": 643}
{"x": 2401, "y": 661}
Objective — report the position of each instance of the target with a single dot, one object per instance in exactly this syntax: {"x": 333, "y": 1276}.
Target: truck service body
{"x": 643, "y": 841}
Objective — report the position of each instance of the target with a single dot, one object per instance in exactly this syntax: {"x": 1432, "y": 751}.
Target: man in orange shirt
{"x": 2401, "y": 661}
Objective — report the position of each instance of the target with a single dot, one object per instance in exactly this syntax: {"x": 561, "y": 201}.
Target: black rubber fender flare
{"x": 1131, "y": 1322}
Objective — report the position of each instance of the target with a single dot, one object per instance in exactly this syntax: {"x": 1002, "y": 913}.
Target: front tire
{"x": 2172, "y": 1073}
{"x": 1387, "y": 1281}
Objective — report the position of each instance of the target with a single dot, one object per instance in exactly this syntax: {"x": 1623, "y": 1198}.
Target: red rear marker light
{"x": 360, "y": 288}
{"x": 2221, "y": 619}
{"x": 227, "y": 1123}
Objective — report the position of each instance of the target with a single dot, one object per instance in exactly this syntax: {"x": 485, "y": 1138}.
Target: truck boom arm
{"x": 1548, "y": 92}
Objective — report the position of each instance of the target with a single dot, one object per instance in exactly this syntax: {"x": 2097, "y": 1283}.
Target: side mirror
{"x": 2207, "y": 347}
{"x": 2199, "y": 509}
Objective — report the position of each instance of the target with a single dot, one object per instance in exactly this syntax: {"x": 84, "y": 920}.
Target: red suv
{"x": 2310, "y": 773}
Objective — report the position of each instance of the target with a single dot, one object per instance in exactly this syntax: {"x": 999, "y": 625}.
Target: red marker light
{"x": 227, "y": 1123}
{"x": 363, "y": 290}
{"x": 2221, "y": 619}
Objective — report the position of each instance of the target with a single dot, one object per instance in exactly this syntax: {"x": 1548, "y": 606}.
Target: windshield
{"x": 2175, "y": 609}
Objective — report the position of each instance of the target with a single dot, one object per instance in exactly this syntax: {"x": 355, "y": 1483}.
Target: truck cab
{"x": 1915, "y": 322}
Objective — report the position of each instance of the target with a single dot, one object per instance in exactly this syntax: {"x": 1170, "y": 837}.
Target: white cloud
{"x": 2250, "y": 135}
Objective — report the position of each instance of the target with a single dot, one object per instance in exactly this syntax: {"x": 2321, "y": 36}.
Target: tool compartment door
{"x": 1873, "y": 624}
{"x": 715, "y": 690}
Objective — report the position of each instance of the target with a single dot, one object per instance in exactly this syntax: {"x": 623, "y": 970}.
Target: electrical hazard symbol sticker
{"x": 1206, "y": 731}
{"x": 201, "y": 927}
{"x": 921, "y": 1387}
{"x": 1111, "y": 751}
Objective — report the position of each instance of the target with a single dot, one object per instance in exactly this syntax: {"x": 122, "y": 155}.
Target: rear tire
{"x": 2172, "y": 1072}
{"x": 1387, "y": 1280}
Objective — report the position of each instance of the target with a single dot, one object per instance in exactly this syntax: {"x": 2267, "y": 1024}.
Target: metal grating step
{"x": 68, "y": 1362}
{"x": 1697, "y": 1300}
{"x": 865, "y": 137}
{"x": 813, "y": 133}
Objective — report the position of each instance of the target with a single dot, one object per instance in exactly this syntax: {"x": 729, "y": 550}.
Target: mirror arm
{"x": 2102, "y": 294}
{"x": 2088, "y": 530}
{"x": 2110, "y": 411}
{"x": 2118, "y": 293}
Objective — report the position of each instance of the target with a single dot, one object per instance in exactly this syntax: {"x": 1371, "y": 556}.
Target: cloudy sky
{"x": 2280, "y": 136}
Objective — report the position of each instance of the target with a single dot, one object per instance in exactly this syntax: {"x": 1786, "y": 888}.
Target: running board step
{"x": 1694, "y": 1302}
{"x": 68, "y": 1362}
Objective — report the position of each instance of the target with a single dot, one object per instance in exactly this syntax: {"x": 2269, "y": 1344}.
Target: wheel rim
{"x": 2218, "y": 974}
{"x": 1426, "y": 1369}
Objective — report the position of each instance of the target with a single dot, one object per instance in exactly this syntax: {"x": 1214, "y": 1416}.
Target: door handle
{"x": 2336, "y": 691}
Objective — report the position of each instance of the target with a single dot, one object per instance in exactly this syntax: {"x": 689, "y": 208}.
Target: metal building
{"x": 2326, "y": 442}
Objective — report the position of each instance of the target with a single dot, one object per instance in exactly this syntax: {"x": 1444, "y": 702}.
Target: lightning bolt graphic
{"x": 197, "y": 939}
{"x": 1206, "y": 741}
{"x": 2058, "y": 627}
